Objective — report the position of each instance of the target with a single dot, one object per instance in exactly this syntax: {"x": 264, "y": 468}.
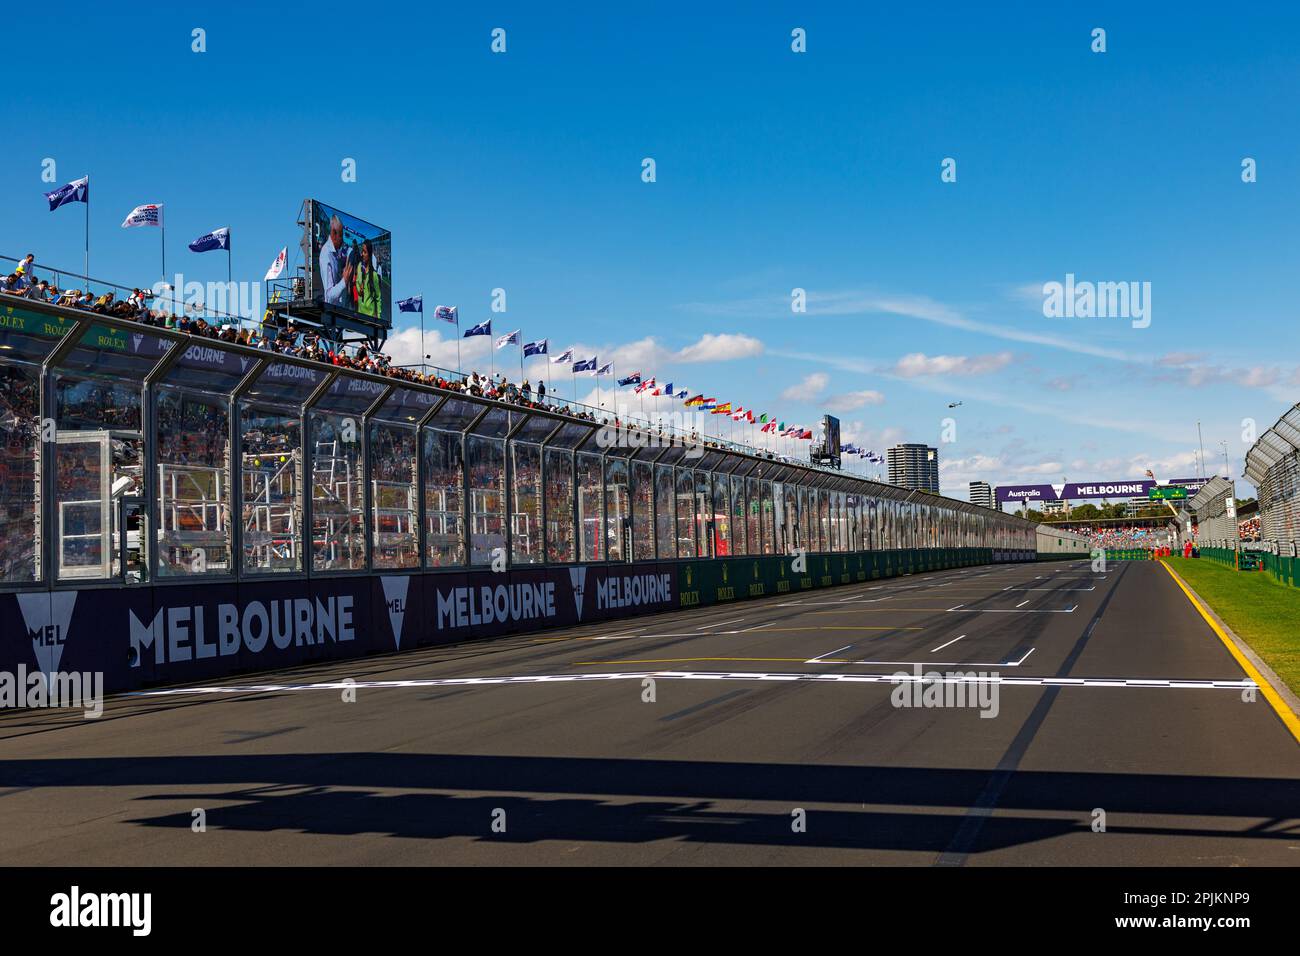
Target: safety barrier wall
{"x": 139, "y": 636}
{"x": 1283, "y": 568}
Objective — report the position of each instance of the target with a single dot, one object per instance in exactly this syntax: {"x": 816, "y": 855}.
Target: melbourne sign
{"x": 1069, "y": 491}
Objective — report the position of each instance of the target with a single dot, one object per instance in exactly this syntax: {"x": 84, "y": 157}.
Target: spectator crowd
{"x": 303, "y": 342}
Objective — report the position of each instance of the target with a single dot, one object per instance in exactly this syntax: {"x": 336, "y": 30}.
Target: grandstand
{"x": 353, "y": 499}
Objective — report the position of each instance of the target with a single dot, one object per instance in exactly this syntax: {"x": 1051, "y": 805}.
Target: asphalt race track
{"x": 1112, "y": 696}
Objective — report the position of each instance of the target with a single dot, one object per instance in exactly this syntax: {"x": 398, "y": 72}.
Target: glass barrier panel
{"x": 685, "y": 513}
{"x": 722, "y": 544}
{"x": 193, "y": 483}
{"x": 769, "y": 534}
{"x": 443, "y": 499}
{"x": 643, "y": 525}
{"x": 703, "y": 514}
{"x": 616, "y": 505}
{"x": 338, "y": 540}
{"x": 525, "y": 503}
{"x": 590, "y": 495}
{"x": 485, "y": 458}
{"x": 665, "y": 513}
{"x": 393, "y": 496}
{"x": 558, "y": 484}
{"x": 270, "y": 487}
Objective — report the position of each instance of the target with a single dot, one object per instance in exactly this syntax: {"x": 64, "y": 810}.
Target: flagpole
{"x": 458, "y": 367}
{"x": 87, "y": 265}
{"x": 424, "y": 365}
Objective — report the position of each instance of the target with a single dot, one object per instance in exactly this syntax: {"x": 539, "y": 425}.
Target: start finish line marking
{"x": 757, "y": 676}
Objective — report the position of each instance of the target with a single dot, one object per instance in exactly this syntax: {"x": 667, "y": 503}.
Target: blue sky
{"x": 775, "y": 170}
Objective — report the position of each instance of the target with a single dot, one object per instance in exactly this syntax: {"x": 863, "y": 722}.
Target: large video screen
{"x": 351, "y": 264}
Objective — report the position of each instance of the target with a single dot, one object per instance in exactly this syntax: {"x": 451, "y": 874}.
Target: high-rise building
{"x": 914, "y": 466}
{"x": 981, "y": 493}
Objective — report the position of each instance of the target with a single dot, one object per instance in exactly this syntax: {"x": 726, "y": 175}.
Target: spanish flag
{"x": 723, "y": 409}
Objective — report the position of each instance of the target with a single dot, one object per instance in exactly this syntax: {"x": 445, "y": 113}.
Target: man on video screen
{"x": 336, "y": 266}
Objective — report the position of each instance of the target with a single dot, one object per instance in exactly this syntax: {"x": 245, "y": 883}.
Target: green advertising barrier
{"x": 706, "y": 582}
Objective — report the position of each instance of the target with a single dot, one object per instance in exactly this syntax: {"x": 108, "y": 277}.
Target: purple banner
{"x": 1070, "y": 491}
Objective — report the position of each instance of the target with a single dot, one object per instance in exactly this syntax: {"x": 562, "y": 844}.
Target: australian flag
{"x": 76, "y": 191}
{"x": 536, "y": 348}
{"x": 414, "y": 304}
{"x": 633, "y": 379}
{"x": 483, "y": 328}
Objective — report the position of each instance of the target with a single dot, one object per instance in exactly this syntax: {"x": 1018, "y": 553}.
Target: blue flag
{"x": 414, "y": 304}
{"x": 483, "y": 328}
{"x": 76, "y": 191}
{"x": 633, "y": 379}
{"x": 585, "y": 365}
{"x": 668, "y": 389}
{"x": 536, "y": 348}
{"x": 216, "y": 239}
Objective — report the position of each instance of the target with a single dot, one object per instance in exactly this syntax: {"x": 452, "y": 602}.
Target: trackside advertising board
{"x": 138, "y": 636}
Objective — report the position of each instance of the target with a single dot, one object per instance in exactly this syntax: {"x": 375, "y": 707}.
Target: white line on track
{"x": 953, "y": 641}
{"x": 958, "y": 607}
{"x": 818, "y": 658}
{"x": 1023, "y": 659}
{"x": 757, "y": 676}
{"x": 719, "y": 623}
{"x": 1022, "y": 604}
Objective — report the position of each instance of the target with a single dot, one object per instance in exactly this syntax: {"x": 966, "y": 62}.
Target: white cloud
{"x": 868, "y": 302}
{"x": 808, "y": 389}
{"x": 918, "y": 363}
{"x": 720, "y": 348}
{"x": 850, "y": 401}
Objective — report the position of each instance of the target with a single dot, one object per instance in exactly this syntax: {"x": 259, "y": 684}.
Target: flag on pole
{"x": 447, "y": 313}
{"x": 606, "y": 369}
{"x": 708, "y": 404}
{"x": 150, "y": 214}
{"x": 76, "y": 191}
{"x": 723, "y": 409}
{"x": 647, "y": 384}
{"x": 277, "y": 266}
{"x": 668, "y": 389}
{"x": 483, "y": 328}
{"x": 216, "y": 239}
{"x": 510, "y": 338}
{"x": 541, "y": 347}
{"x": 769, "y": 427}
{"x": 565, "y": 356}
{"x": 414, "y": 304}
{"x": 585, "y": 365}
{"x": 695, "y": 400}
{"x": 633, "y": 379}
{"x": 683, "y": 393}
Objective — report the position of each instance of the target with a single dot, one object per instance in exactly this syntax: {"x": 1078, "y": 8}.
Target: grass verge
{"x": 1262, "y": 612}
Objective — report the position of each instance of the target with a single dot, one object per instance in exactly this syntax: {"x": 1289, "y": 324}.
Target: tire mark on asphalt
{"x": 964, "y": 841}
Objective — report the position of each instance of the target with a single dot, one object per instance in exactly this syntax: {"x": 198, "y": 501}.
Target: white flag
{"x": 150, "y": 214}
{"x": 278, "y": 265}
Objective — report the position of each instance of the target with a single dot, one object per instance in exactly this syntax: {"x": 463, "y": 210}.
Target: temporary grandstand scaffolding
{"x": 1273, "y": 466}
{"x": 1212, "y": 514}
